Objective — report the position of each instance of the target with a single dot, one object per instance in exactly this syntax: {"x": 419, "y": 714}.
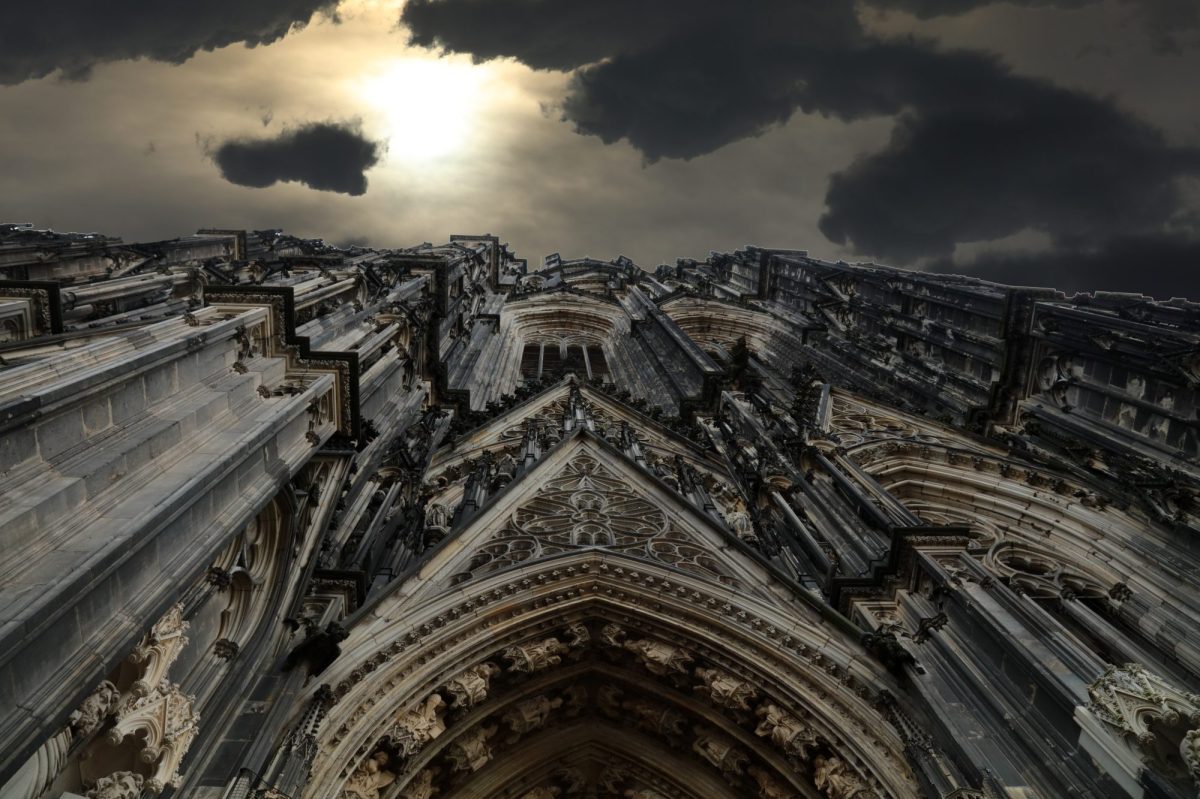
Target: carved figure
{"x": 742, "y": 526}
{"x": 608, "y": 700}
{"x": 791, "y": 735}
{"x": 575, "y": 700}
{"x": 530, "y": 715}
{"x": 612, "y": 634}
{"x": 471, "y": 751}
{"x": 1189, "y": 748}
{"x": 578, "y": 635}
{"x": 471, "y": 686}
{"x": 419, "y": 726}
{"x": 654, "y": 718}
{"x": 437, "y": 517}
{"x": 833, "y": 777}
{"x": 122, "y": 785}
{"x": 660, "y": 658}
{"x": 719, "y": 751}
{"x": 421, "y": 786}
{"x": 724, "y": 689}
{"x": 91, "y": 714}
{"x": 528, "y": 658}
{"x": 370, "y": 778}
{"x": 611, "y": 780}
{"x": 643, "y": 793}
{"x": 768, "y": 787}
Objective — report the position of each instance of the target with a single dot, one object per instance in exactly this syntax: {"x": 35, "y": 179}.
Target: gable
{"x": 587, "y": 495}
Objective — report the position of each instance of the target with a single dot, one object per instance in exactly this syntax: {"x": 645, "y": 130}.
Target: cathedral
{"x": 285, "y": 520}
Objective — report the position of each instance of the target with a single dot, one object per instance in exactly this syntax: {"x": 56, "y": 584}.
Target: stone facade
{"x": 287, "y": 520}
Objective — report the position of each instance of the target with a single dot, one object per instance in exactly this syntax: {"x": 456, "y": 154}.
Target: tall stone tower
{"x": 286, "y": 520}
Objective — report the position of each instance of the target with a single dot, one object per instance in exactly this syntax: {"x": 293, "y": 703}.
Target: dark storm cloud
{"x": 676, "y": 78}
{"x": 998, "y": 154}
{"x": 977, "y": 153}
{"x": 37, "y": 38}
{"x": 323, "y": 155}
{"x": 1162, "y": 266}
{"x": 1170, "y": 25}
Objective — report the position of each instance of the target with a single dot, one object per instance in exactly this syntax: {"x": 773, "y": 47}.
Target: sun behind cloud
{"x": 429, "y": 104}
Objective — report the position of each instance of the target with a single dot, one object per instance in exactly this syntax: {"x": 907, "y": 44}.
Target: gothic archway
{"x": 485, "y": 671}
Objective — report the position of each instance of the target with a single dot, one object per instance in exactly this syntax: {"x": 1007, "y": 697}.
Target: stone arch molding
{"x": 530, "y": 681}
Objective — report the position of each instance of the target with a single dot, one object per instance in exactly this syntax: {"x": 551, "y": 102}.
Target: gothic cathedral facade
{"x": 282, "y": 520}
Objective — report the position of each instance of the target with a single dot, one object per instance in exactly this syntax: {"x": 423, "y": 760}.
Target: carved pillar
{"x": 292, "y": 765}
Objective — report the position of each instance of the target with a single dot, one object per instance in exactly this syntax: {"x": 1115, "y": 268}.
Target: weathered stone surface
{"x": 283, "y": 519}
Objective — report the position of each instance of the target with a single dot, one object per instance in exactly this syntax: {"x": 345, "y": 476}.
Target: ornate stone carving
{"x": 655, "y": 718}
{"x": 579, "y": 636}
{"x": 719, "y": 751}
{"x": 608, "y": 700}
{"x": 530, "y": 714}
{"x": 835, "y": 780}
{"x": 1189, "y": 750}
{"x": 1132, "y": 700}
{"x": 768, "y": 786}
{"x": 158, "y": 650}
{"x": 471, "y": 750}
{"x": 421, "y": 786}
{"x": 419, "y": 726}
{"x": 370, "y": 778}
{"x": 91, "y": 714}
{"x": 122, "y": 785}
{"x": 658, "y": 657}
{"x": 724, "y": 689}
{"x": 164, "y": 723}
{"x": 531, "y": 657}
{"x": 794, "y": 738}
{"x": 589, "y": 505}
{"x": 471, "y": 686}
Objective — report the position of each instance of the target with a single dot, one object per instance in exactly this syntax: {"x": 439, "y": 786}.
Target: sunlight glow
{"x": 429, "y": 105}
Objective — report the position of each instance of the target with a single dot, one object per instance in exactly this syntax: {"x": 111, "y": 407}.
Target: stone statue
{"x": 370, "y": 778}
{"x": 719, "y": 751}
{"x": 742, "y": 526}
{"x": 573, "y": 779}
{"x": 578, "y": 635}
{"x": 1189, "y": 749}
{"x": 608, "y": 700}
{"x": 437, "y": 517}
{"x": 612, "y": 634}
{"x": 421, "y": 786}
{"x": 643, "y": 793}
{"x": 833, "y": 777}
{"x": 724, "y": 689}
{"x": 91, "y": 714}
{"x": 660, "y": 658}
{"x": 654, "y": 718}
{"x": 530, "y": 714}
{"x": 122, "y": 785}
{"x": 471, "y": 751}
{"x": 419, "y": 726}
{"x": 575, "y": 698}
{"x": 611, "y": 780}
{"x": 471, "y": 686}
{"x": 794, "y": 738}
{"x": 531, "y": 657}
{"x": 768, "y": 787}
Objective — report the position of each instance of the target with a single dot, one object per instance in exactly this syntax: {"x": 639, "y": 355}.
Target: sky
{"x": 1036, "y": 142}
